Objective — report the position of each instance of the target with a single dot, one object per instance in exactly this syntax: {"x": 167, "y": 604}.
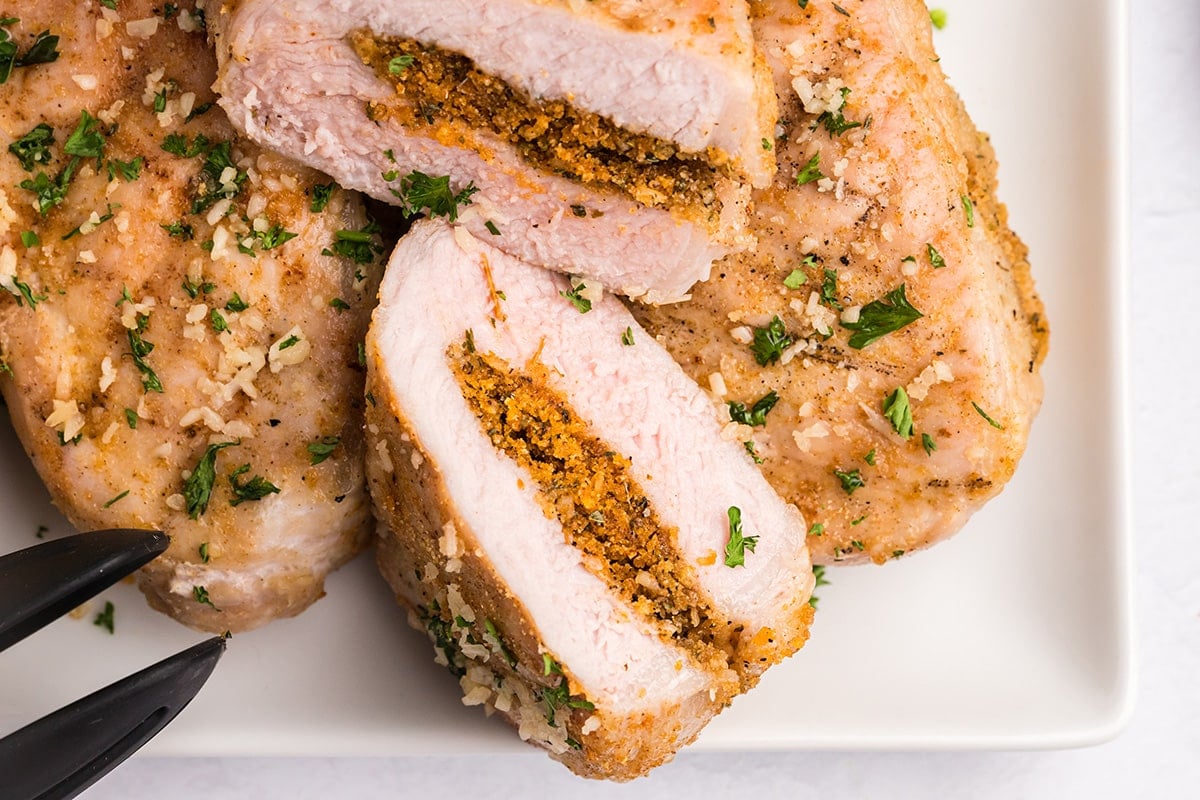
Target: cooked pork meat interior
{"x": 880, "y": 348}
{"x": 178, "y": 354}
{"x": 611, "y": 140}
{"x": 562, "y": 513}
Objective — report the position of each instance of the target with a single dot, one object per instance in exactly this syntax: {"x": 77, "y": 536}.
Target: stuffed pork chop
{"x": 561, "y": 513}
{"x": 880, "y": 349}
{"x": 177, "y": 352}
{"x": 612, "y": 140}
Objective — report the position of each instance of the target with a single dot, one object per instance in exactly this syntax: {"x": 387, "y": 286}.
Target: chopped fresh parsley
{"x": 30, "y": 238}
{"x": 829, "y": 290}
{"x": 128, "y": 170}
{"x": 197, "y": 489}
{"x": 256, "y": 488}
{"x": 627, "y": 337}
{"x": 43, "y": 51}
{"x": 766, "y": 145}
{"x": 290, "y": 341}
{"x": 899, "y": 412}
{"x": 200, "y": 595}
{"x": 938, "y": 17}
{"x": 116, "y": 499}
{"x": 850, "y": 480}
{"x": 339, "y": 304}
{"x": 218, "y": 321}
{"x": 581, "y": 303}
{"x": 817, "y": 529}
{"x": 34, "y": 147}
{"x": 321, "y": 194}
{"x": 178, "y": 230}
{"x": 935, "y": 258}
{"x": 984, "y": 414}
{"x": 322, "y": 448}
{"x": 870, "y": 457}
{"x": 795, "y": 279}
{"x": 928, "y": 443}
{"x": 834, "y": 121}
{"x": 104, "y": 619}
{"x": 400, "y": 63}
{"x": 131, "y": 418}
{"x": 770, "y": 342}
{"x": 750, "y": 448}
{"x": 220, "y": 179}
{"x": 493, "y": 633}
{"x": 140, "y": 348}
{"x": 236, "y": 304}
{"x": 194, "y": 290}
{"x": 420, "y": 192}
{"x": 756, "y": 415}
{"x": 359, "y": 246}
{"x": 86, "y": 141}
{"x": 738, "y": 544}
{"x": 881, "y": 317}
{"x": 204, "y": 554}
{"x": 492, "y": 229}
{"x": 819, "y": 576}
{"x": 969, "y": 210}
{"x": 177, "y": 144}
{"x": 811, "y": 171}
{"x": 273, "y": 236}
{"x": 25, "y": 294}
{"x": 50, "y": 192}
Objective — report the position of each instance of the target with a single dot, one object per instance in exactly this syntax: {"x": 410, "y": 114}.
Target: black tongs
{"x": 65, "y": 752}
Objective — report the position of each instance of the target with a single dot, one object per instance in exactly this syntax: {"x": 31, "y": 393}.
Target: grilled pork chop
{"x": 612, "y": 140}
{"x": 880, "y": 348}
{"x": 178, "y": 352}
{"x": 562, "y": 515}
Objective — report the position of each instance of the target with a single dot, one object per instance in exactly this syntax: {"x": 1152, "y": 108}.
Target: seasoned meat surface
{"x": 178, "y": 352}
{"x": 887, "y": 429}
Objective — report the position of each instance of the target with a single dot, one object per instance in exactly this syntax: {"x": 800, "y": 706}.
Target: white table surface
{"x": 1158, "y": 755}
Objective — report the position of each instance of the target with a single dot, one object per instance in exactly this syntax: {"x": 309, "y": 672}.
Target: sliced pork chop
{"x": 610, "y": 140}
{"x": 562, "y": 514}
{"x": 178, "y": 354}
{"x": 880, "y": 349}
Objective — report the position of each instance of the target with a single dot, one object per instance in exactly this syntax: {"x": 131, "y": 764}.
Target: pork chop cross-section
{"x": 613, "y": 140}
{"x": 561, "y": 512}
{"x": 178, "y": 352}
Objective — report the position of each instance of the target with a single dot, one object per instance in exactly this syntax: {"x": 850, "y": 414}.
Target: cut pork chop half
{"x": 611, "y": 140}
{"x": 177, "y": 352}
{"x": 562, "y": 513}
{"x": 888, "y": 307}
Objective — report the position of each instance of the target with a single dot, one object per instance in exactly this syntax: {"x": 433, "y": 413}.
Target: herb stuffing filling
{"x": 588, "y": 488}
{"x": 440, "y": 86}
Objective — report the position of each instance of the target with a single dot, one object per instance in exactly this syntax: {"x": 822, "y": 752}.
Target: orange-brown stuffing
{"x": 589, "y": 489}
{"x": 553, "y": 135}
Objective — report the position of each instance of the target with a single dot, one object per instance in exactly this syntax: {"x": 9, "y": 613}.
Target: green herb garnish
{"x": 738, "y": 544}
{"x": 881, "y": 317}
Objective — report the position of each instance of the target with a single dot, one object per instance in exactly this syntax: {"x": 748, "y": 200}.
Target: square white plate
{"x": 1017, "y": 633}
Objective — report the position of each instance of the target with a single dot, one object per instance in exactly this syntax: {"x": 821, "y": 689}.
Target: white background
{"x": 1159, "y": 753}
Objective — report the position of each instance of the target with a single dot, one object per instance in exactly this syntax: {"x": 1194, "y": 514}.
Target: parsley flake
{"x": 851, "y": 480}
{"x": 881, "y": 317}
{"x": 256, "y": 488}
{"x": 899, "y": 412}
{"x": 811, "y": 171}
{"x": 34, "y": 147}
{"x": 197, "y": 489}
{"x": 770, "y": 342}
{"x": 738, "y": 544}
{"x": 104, "y": 619}
{"x": 322, "y": 448}
{"x": 420, "y": 192}
{"x": 581, "y": 303}
{"x": 756, "y": 415}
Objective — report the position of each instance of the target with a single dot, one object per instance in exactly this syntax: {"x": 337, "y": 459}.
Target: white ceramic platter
{"x": 1016, "y": 633}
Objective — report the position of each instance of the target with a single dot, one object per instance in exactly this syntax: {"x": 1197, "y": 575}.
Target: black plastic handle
{"x": 67, "y": 751}
{"x": 41, "y": 583}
